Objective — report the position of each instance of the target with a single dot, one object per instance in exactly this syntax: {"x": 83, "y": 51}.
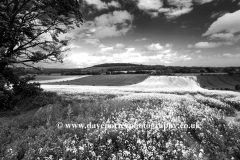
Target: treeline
{"x": 141, "y": 69}
{"x": 117, "y": 64}
{"x": 82, "y": 73}
{"x": 159, "y": 72}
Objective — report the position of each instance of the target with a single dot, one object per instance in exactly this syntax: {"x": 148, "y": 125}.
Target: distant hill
{"x": 116, "y": 64}
{"x": 118, "y": 67}
{"x": 101, "y": 68}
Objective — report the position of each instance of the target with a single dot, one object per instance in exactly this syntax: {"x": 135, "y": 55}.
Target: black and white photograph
{"x": 119, "y": 79}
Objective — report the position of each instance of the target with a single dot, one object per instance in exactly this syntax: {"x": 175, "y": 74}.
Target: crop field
{"x": 160, "y": 118}
{"x": 161, "y": 126}
{"x": 149, "y": 84}
{"x": 106, "y": 80}
{"x": 219, "y": 81}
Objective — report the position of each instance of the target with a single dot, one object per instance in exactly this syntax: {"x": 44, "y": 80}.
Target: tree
{"x": 31, "y": 31}
{"x": 25, "y": 23}
{"x": 209, "y": 70}
{"x": 237, "y": 87}
{"x": 231, "y": 73}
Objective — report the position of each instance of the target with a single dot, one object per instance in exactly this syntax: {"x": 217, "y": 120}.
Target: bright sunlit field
{"x": 210, "y": 122}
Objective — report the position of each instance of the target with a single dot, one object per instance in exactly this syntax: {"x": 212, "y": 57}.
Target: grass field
{"x": 219, "y": 81}
{"x": 106, "y": 80}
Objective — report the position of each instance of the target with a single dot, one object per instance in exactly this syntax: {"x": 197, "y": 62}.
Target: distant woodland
{"x": 128, "y": 68}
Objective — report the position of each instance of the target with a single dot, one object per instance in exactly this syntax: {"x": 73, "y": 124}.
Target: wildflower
{"x": 80, "y": 148}
{"x": 126, "y": 153}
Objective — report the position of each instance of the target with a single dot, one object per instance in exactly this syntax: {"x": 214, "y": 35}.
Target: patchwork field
{"x": 219, "y": 81}
{"x": 121, "y": 83}
{"x": 126, "y": 117}
{"x": 190, "y": 82}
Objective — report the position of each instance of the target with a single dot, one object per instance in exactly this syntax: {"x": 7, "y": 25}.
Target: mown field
{"x": 35, "y": 135}
{"x": 106, "y": 80}
{"x": 212, "y": 82}
{"x": 219, "y": 81}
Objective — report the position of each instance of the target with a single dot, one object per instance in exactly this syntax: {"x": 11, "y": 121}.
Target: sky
{"x": 156, "y": 32}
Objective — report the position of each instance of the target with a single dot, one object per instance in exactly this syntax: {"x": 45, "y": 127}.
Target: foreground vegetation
{"x": 34, "y": 135}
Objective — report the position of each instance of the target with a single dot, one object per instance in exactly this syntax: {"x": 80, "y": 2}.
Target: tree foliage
{"x": 32, "y": 31}
{"x": 237, "y": 87}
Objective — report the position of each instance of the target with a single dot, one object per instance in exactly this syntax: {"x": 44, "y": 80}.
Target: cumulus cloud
{"x": 99, "y": 5}
{"x": 83, "y": 59}
{"x": 180, "y": 3}
{"x": 173, "y": 13}
{"x": 163, "y": 10}
{"x": 218, "y": 14}
{"x": 92, "y": 41}
{"x": 174, "y": 9}
{"x": 120, "y": 45}
{"x": 225, "y": 29}
{"x": 149, "y": 4}
{"x": 113, "y": 24}
{"x": 228, "y": 23}
{"x": 157, "y": 49}
{"x": 117, "y": 17}
{"x": 150, "y": 7}
{"x": 119, "y": 48}
{"x": 222, "y": 36}
{"x": 207, "y": 45}
{"x": 155, "y": 7}
{"x": 120, "y": 53}
{"x": 114, "y": 4}
{"x": 203, "y": 1}
{"x": 180, "y": 8}
{"x": 154, "y": 47}
{"x": 230, "y": 55}
{"x": 111, "y": 31}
